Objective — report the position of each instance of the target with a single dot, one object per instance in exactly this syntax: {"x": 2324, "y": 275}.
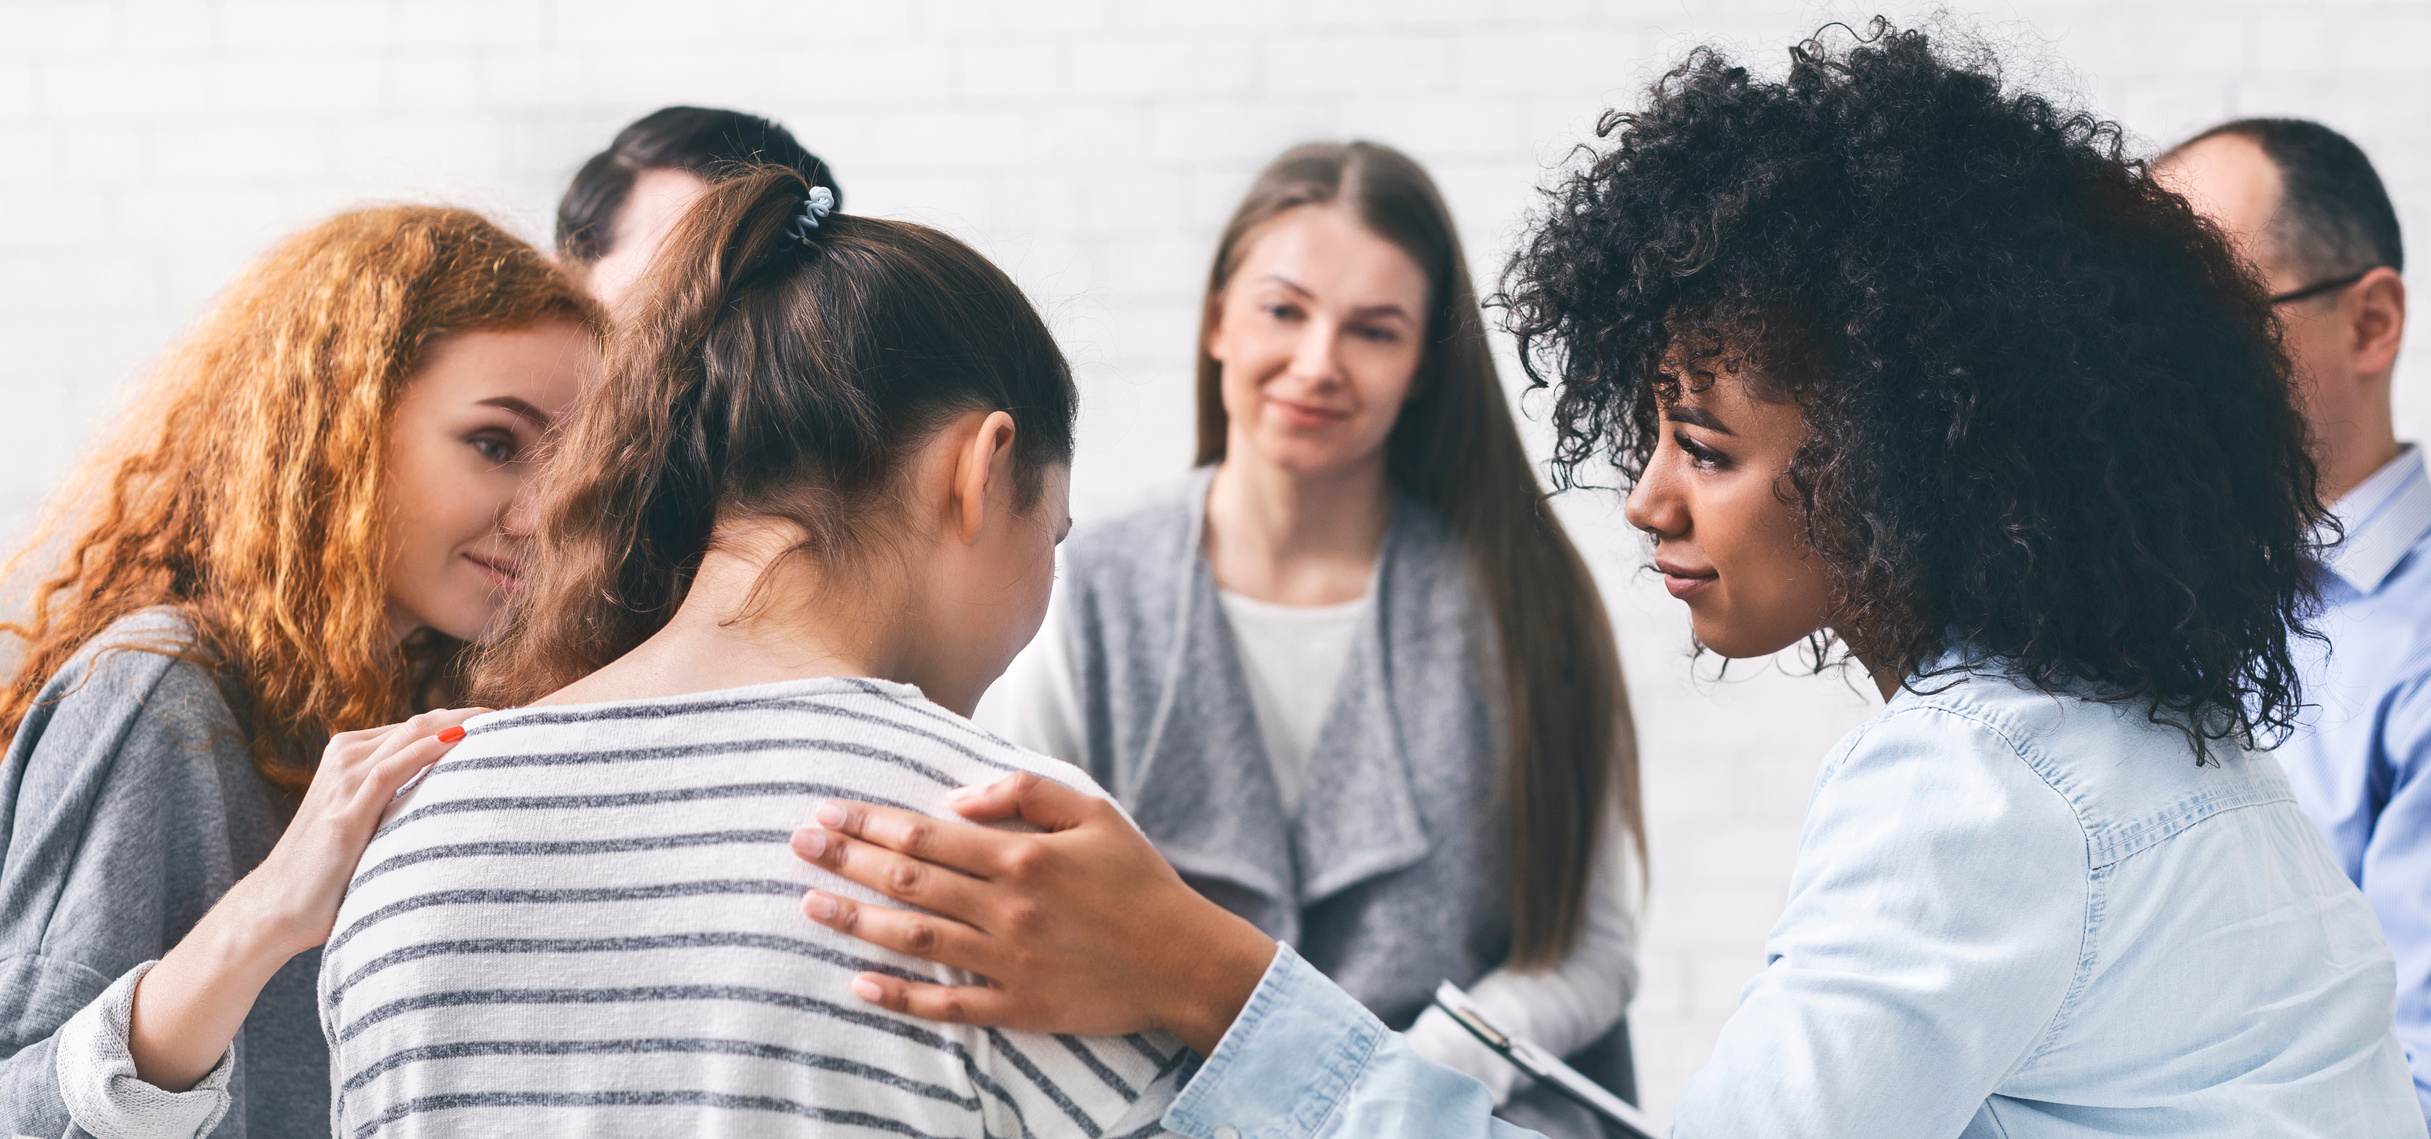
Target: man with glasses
{"x": 2304, "y": 206}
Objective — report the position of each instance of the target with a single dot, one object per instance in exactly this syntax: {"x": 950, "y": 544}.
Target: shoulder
{"x": 1425, "y": 551}
{"x": 2385, "y": 634}
{"x": 144, "y": 674}
{"x": 1936, "y": 803}
{"x": 964, "y": 752}
{"x": 129, "y": 758}
{"x": 2405, "y": 711}
{"x": 1966, "y": 741}
{"x": 1422, "y": 526}
{"x": 998, "y": 757}
{"x": 1022, "y": 759}
{"x": 1158, "y": 529}
{"x": 2122, "y": 779}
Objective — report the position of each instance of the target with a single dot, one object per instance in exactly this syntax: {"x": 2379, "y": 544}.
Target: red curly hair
{"x": 246, "y": 485}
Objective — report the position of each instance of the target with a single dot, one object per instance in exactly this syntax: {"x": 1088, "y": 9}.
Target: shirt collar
{"x": 2384, "y": 516}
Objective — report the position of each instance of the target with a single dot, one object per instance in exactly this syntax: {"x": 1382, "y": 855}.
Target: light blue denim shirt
{"x": 2361, "y": 763}
{"x": 2013, "y": 914}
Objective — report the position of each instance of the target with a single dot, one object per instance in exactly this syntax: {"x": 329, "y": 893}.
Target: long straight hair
{"x": 1569, "y": 747}
{"x": 773, "y": 371}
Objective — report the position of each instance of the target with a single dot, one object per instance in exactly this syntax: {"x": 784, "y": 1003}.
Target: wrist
{"x": 1220, "y": 981}
{"x": 189, "y": 1006}
{"x": 252, "y": 924}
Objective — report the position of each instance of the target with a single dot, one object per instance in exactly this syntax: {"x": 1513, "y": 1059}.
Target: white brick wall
{"x": 147, "y": 148}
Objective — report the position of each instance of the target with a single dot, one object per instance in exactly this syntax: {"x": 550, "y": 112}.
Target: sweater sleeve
{"x": 97, "y": 1074}
{"x": 114, "y": 839}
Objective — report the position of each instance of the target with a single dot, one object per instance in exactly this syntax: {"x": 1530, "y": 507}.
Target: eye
{"x": 1379, "y": 334}
{"x": 1704, "y": 457}
{"x": 496, "y": 446}
{"x": 1281, "y": 311}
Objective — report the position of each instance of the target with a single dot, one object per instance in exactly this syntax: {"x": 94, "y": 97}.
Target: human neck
{"x": 750, "y": 618}
{"x": 1887, "y": 680}
{"x": 2351, "y": 447}
{"x": 1295, "y": 538}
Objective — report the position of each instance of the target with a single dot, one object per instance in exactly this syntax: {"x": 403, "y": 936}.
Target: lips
{"x": 1306, "y": 414}
{"x": 1682, "y": 581}
{"x": 502, "y": 572}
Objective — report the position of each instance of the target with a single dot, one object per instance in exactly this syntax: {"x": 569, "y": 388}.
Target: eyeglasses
{"x": 2319, "y": 287}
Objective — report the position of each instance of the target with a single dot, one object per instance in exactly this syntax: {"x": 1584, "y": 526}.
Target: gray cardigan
{"x": 1392, "y": 878}
{"x": 1395, "y": 875}
{"x": 128, "y": 805}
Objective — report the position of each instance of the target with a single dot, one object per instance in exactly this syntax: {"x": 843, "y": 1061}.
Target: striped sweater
{"x": 586, "y": 920}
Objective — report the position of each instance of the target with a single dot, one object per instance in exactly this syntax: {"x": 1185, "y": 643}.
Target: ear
{"x": 2379, "y": 321}
{"x": 1212, "y": 320}
{"x": 982, "y": 465}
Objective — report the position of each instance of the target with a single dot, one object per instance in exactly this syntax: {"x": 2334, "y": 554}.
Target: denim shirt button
{"x": 1228, "y": 1131}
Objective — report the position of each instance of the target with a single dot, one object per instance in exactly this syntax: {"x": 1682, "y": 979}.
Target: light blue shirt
{"x": 2013, "y": 914}
{"x": 2361, "y": 763}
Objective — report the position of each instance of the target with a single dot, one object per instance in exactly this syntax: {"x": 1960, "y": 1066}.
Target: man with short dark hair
{"x": 2304, "y": 205}
{"x": 625, "y": 199}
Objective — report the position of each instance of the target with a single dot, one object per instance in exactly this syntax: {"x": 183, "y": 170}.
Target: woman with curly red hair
{"x": 302, "y": 523}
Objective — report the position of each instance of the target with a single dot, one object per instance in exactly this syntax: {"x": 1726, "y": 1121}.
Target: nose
{"x": 1655, "y": 504}
{"x": 1317, "y": 359}
{"x": 522, "y": 515}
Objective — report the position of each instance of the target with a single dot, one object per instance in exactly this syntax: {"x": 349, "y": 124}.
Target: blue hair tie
{"x": 820, "y": 203}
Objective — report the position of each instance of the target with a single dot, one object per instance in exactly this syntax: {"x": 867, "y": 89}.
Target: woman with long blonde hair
{"x": 299, "y": 527}
{"x": 1352, "y": 677}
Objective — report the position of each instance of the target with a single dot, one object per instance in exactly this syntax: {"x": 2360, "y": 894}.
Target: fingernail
{"x": 961, "y": 794}
{"x": 867, "y": 989}
{"x": 819, "y": 906}
{"x": 450, "y": 735}
{"x": 811, "y": 843}
{"x": 829, "y": 815}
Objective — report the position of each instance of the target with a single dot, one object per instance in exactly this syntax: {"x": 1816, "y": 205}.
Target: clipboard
{"x": 1544, "y": 1066}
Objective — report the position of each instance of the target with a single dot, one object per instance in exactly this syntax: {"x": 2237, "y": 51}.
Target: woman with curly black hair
{"x": 1895, "y": 358}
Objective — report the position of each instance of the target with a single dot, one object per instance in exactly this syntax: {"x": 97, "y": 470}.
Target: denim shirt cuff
{"x": 1288, "y": 1061}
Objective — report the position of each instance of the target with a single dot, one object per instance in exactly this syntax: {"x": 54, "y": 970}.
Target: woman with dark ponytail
{"x": 806, "y": 517}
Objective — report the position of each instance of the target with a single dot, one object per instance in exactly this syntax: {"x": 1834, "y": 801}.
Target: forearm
{"x": 191, "y": 1005}
{"x": 1563, "y": 1008}
{"x": 80, "y": 1078}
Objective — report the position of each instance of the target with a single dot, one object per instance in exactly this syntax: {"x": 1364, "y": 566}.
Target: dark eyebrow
{"x": 1383, "y": 310}
{"x": 1695, "y": 416}
{"x": 539, "y": 418}
{"x": 1365, "y": 311}
{"x": 1288, "y": 283}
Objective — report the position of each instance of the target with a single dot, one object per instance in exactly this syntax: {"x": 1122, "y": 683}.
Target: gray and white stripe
{"x": 587, "y": 920}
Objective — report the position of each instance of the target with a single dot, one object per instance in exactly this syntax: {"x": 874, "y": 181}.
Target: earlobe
{"x": 1213, "y": 321}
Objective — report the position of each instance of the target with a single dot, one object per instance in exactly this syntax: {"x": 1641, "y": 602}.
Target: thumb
{"x": 1044, "y": 803}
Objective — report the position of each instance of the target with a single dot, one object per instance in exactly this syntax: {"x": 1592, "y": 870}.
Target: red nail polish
{"x": 450, "y": 735}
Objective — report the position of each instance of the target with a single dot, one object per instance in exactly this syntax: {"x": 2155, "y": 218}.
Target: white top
{"x": 586, "y": 920}
{"x": 1037, "y": 704}
{"x": 1293, "y": 656}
